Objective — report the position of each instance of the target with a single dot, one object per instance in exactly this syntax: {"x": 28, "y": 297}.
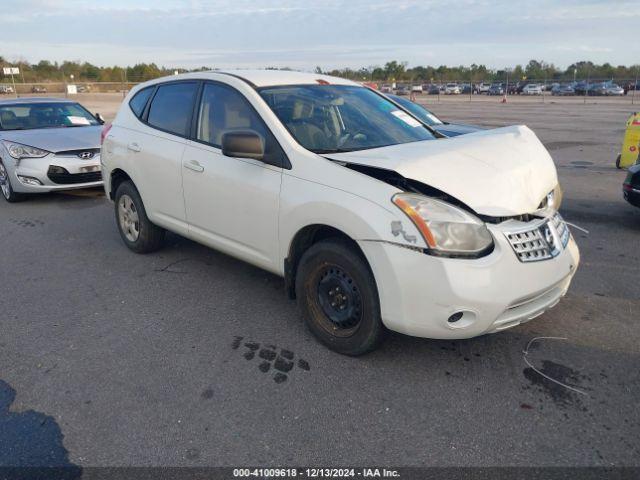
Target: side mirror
{"x": 243, "y": 144}
{"x": 99, "y": 118}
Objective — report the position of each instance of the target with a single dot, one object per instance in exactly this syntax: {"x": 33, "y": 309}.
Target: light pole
{"x": 635, "y": 87}
{"x": 506, "y": 91}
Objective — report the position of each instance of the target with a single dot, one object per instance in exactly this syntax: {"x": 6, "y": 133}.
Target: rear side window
{"x": 139, "y": 101}
{"x": 171, "y": 107}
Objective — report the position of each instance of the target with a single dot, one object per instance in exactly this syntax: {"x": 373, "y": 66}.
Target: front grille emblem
{"x": 540, "y": 241}
{"x": 85, "y": 155}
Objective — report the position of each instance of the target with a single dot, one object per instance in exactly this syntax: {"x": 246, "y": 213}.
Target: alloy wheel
{"x": 4, "y": 181}
{"x": 128, "y": 218}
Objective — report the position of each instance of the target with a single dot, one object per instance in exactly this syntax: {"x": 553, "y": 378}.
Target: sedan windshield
{"x": 30, "y": 116}
{"x": 342, "y": 118}
{"x": 417, "y": 110}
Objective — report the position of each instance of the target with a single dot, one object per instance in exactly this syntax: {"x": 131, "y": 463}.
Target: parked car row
{"x": 5, "y": 89}
{"x": 515, "y": 88}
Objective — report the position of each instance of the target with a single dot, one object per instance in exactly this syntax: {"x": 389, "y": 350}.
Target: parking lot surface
{"x": 112, "y": 358}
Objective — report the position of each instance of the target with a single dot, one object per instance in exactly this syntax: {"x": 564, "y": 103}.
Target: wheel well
{"x": 301, "y": 242}
{"x": 117, "y": 177}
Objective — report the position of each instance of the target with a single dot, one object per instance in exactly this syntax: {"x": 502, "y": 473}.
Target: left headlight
{"x": 447, "y": 229}
{"x": 19, "y": 151}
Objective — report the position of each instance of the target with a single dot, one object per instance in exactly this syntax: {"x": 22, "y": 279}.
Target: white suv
{"x": 371, "y": 217}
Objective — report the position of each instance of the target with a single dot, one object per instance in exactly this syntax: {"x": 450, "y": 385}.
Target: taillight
{"x": 627, "y": 187}
{"x": 105, "y": 132}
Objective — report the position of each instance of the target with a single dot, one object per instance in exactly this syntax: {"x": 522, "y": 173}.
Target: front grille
{"x": 530, "y": 246}
{"x": 542, "y": 241}
{"x": 62, "y": 177}
{"x": 561, "y": 228}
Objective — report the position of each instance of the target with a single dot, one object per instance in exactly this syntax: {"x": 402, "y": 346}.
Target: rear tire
{"x": 618, "y": 161}
{"x": 136, "y": 230}
{"x": 5, "y": 186}
{"x": 339, "y": 298}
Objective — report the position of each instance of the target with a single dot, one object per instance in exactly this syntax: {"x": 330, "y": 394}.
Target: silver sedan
{"x": 47, "y": 144}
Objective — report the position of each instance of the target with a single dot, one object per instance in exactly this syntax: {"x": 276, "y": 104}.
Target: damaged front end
{"x": 539, "y": 235}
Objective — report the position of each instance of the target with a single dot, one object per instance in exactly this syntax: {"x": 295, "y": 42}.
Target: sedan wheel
{"x": 5, "y": 186}
{"x": 4, "y": 182}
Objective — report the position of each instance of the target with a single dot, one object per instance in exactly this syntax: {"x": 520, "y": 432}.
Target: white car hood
{"x": 501, "y": 172}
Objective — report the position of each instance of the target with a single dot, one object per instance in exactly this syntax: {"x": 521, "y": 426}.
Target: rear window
{"x": 139, "y": 101}
{"x": 171, "y": 107}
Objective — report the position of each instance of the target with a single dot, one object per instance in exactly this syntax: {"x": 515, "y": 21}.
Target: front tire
{"x": 136, "y": 230}
{"x": 5, "y": 186}
{"x": 339, "y": 298}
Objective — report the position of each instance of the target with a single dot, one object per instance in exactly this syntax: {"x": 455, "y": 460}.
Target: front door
{"x": 231, "y": 203}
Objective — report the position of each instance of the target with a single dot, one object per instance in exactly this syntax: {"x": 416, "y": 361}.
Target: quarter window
{"x": 171, "y": 107}
{"x": 139, "y": 101}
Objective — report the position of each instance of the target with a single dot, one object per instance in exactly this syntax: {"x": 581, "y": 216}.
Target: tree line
{"x": 46, "y": 71}
{"x": 535, "y": 69}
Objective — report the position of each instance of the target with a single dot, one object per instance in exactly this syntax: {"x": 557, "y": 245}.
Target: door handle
{"x": 193, "y": 165}
{"x": 134, "y": 147}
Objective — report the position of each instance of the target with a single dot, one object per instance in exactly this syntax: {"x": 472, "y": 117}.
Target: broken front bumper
{"x": 419, "y": 293}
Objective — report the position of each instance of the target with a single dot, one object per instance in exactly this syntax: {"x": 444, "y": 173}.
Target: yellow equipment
{"x": 631, "y": 143}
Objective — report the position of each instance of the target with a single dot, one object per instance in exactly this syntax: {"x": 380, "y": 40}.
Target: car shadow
{"x": 31, "y": 444}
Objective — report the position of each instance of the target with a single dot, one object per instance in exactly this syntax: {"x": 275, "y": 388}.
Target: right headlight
{"x": 20, "y": 151}
{"x": 447, "y": 229}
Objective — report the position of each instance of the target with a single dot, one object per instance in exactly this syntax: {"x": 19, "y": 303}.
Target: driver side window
{"x": 223, "y": 109}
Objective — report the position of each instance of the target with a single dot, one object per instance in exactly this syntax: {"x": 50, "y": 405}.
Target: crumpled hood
{"x": 56, "y": 139}
{"x": 500, "y": 172}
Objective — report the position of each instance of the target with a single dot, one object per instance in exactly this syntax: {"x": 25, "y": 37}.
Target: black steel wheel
{"x": 339, "y": 298}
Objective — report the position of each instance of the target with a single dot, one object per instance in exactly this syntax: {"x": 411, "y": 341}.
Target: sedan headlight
{"x": 447, "y": 229}
{"x": 19, "y": 151}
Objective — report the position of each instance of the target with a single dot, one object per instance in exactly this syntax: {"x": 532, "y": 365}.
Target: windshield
{"x": 30, "y": 116}
{"x": 342, "y": 118}
{"x": 417, "y": 110}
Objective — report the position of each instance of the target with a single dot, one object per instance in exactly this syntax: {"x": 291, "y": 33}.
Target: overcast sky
{"x": 329, "y": 33}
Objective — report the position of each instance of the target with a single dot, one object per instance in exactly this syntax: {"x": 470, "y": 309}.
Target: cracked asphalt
{"x": 187, "y": 357}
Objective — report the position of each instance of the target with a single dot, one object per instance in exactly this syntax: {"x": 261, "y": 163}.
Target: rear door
{"x": 156, "y": 150}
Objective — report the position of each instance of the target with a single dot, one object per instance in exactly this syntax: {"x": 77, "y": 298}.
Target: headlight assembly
{"x": 554, "y": 198}
{"x": 447, "y": 229}
{"x": 19, "y": 151}
{"x": 551, "y": 203}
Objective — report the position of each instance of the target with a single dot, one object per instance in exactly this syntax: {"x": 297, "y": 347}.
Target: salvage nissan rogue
{"x": 370, "y": 216}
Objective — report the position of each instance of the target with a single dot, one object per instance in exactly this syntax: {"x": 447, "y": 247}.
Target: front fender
{"x": 305, "y": 203}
